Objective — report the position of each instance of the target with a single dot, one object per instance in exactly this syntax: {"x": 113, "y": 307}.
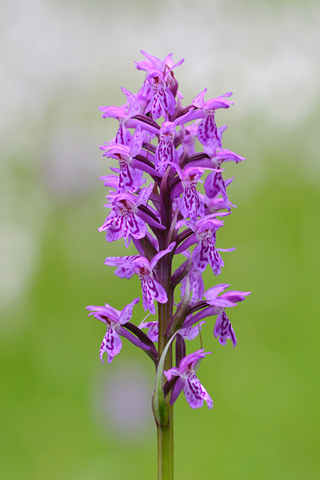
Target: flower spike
{"x": 160, "y": 155}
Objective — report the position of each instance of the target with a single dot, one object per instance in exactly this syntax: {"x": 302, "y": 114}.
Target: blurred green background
{"x": 66, "y": 416}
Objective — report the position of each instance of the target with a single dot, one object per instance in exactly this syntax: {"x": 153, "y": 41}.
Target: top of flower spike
{"x": 154, "y": 63}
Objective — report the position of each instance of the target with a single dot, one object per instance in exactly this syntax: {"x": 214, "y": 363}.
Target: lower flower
{"x": 187, "y": 381}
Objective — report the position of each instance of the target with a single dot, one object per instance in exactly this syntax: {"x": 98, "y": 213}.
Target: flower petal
{"x": 224, "y": 328}
{"x": 126, "y": 313}
{"x": 111, "y": 344}
{"x": 195, "y": 393}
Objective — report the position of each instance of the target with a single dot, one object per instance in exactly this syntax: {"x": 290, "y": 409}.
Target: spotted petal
{"x": 224, "y": 328}
{"x": 207, "y": 129}
{"x": 111, "y": 344}
{"x": 125, "y": 265}
{"x": 153, "y": 329}
{"x": 152, "y": 290}
{"x": 195, "y": 393}
{"x": 200, "y": 256}
{"x": 214, "y": 184}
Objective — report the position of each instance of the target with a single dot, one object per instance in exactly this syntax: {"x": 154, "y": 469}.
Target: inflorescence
{"x": 165, "y": 215}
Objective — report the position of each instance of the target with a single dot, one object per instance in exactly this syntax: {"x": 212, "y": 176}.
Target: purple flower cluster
{"x": 154, "y": 201}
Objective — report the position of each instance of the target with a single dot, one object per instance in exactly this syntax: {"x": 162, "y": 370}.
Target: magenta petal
{"x": 199, "y": 100}
{"x": 113, "y": 228}
{"x": 213, "y": 292}
{"x": 152, "y": 290}
{"x": 137, "y": 140}
{"x": 161, "y": 254}
{"x": 215, "y": 261}
{"x": 144, "y": 195}
{"x": 187, "y": 243}
{"x": 111, "y": 344}
{"x": 214, "y": 184}
{"x": 235, "y": 296}
{"x": 158, "y": 291}
{"x": 153, "y": 329}
{"x": 190, "y": 333}
{"x": 133, "y": 102}
{"x": 124, "y": 264}
{"x": 191, "y": 204}
{"x": 136, "y": 227}
{"x": 222, "y": 303}
{"x": 123, "y": 135}
{"x": 145, "y": 168}
{"x": 114, "y": 112}
{"x": 126, "y": 313}
{"x": 157, "y": 108}
{"x": 195, "y": 393}
{"x": 173, "y": 372}
{"x": 206, "y": 312}
{"x": 177, "y": 389}
{"x": 207, "y": 129}
{"x": 224, "y": 328}
{"x": 148, "y": 219}
{"x": 200, "y": 256}
{"x": 129, "y": 179}
{"x": 170, "y": 102}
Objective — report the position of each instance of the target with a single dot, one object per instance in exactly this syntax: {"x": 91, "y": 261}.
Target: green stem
{"x": 165, "y": 468}
{"x": 165, "y": 432}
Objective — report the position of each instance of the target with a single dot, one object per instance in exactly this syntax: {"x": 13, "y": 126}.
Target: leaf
{"x": 159, "y": 405}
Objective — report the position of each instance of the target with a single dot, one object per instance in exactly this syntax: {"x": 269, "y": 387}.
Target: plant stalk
{"x": 165, "y": 446}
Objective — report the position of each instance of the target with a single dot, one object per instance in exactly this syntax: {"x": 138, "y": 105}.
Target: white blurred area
{"x": 60, "y": 60}
{"x": 121, "y": 398}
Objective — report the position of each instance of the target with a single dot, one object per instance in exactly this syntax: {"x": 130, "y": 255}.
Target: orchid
{"x": 151, "y": 288}
{"x": 113, "y": 319}
{"x": 187, "y": 381}
{"x": 154, "y": 201}
{"x": 123, "y": 114}
{"x": 223, "y": 327}
{"x": 130, "y": 177}
{"x": 207, "y": 128}
{"x": 205, "y": 252}
{"x": 165, "y": 151}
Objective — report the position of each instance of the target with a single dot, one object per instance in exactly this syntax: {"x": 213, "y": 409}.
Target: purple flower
{"x": 207, "y": 128}
{"x": 191, "y": 202}
{"x": 162, "y": 102}
{"x": 216, "y": 204}
{"x": 123, "y": 114}
{"x": 196, "y": 282}
{"x": 151, "y": 288}
{"x": 191, "y": 137}
{"x": 205, "y": 235}
{"x": 191, "y": 332}
{"x": 165, "y": 151}
{"x": 130, "y": 178}
{"x": 113, "y": 319}
{"x": 187, "y": 381}
{"x": 160, "y": 77}
{"x": 214, "y": 183}
{"x": 154, "y": 63}
{"x": 153, "y": 329}
{"x": 219, "y": 155}
{"x": 125, "y": 219}
{"x": 223, "y": 327}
